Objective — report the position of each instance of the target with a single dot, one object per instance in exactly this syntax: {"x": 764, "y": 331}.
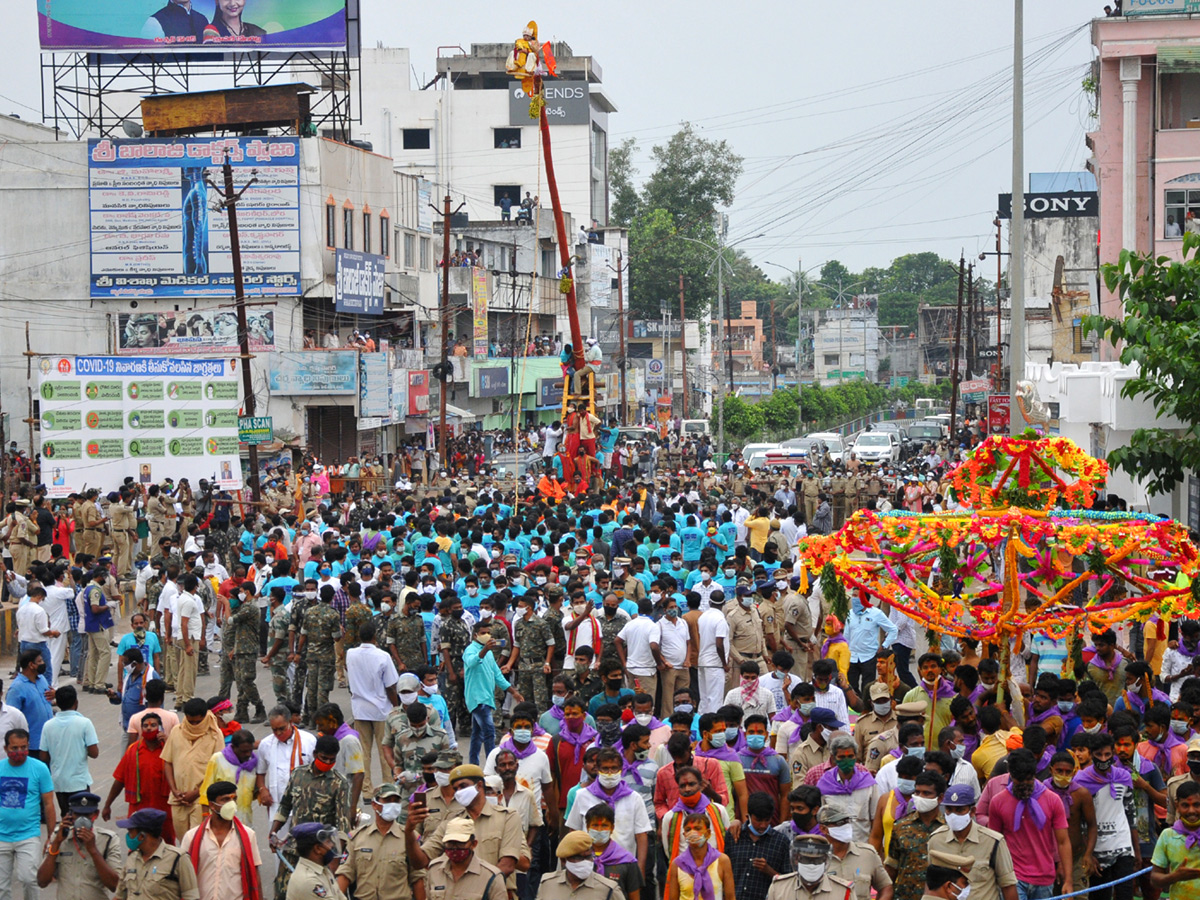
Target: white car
{"x": 877, "y": 447}
{"x": 835, "y": 442}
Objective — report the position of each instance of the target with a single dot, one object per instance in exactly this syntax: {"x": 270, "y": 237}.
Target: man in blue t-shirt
{"x": 28, "y": 694}
{"x": 26, "y": 798}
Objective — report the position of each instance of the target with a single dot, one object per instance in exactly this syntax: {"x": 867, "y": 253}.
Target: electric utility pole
{"x": 443, "y": 317}
{"x": 1016, "y": 228}
{"x": 954, "y": 371}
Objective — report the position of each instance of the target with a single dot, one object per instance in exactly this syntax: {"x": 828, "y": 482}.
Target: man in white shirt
{"x": 11, "y": 717}
{"x": 372, "y": 678}
{"x": 827, "y": 694}
{"x": 639, "y": 646}
{"x": 713, "y": 654}
{"x": 186, "y": 629}
{"x": 58, "y": 595}
{"x": 674, "y": 635}
{"x": 553, "y": 436}
{"x": 707, "y": 584}
{"x": 739, "y": 515}
{"x": 280, "y": 753}
{"x": 33, "y": 627}
{"x": 582, "y": 629}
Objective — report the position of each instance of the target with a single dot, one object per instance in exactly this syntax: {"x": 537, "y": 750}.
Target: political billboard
{"x": 300, "y": 373}
{"x": 358, "y": 283}
{"x": 154, "y": 233}
{"x": 209, "y": 331}
{"x": 210, "y": 25}
{"x": 104, "y": 418}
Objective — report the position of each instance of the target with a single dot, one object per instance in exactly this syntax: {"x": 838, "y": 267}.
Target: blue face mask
{"x": 558, "y": 701}
{"x": 1066, "y": 705}
{"x": 756, "y": 741}
{"x": 683, "y": 707}
{"x": 750, "y": 825}
{"x": 918, "y": 752}
{"x": 906, "y": 786}
{"x": 717, "y": 739}
{"x": 731, "y": 735}
{"x": 522, "y": 735}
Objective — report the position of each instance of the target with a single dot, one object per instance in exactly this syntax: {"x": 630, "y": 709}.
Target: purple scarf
{"x": 1109, "y": 669}
{"x": 1162, "y": 758}
{"x": 702, "y": 886}
{"x": 1063, "y": 795}
{"x": 585, "y": 735}
{"x": 555, "y": 713}
{"x": 970, "y": 741}
{"x": 239, "y": 767}
{"x": 1184, "y": 651}
{"x": 654, "y": 723}
{"x": 945, "y": 690}
{"x": 1032, "y": 806}
{"x": 1043, "y": 716}
{"x": 614, "y": 855}
{"x": 631, "y": 768}
{"x": 1093, "y": 781}
{"x": 718, "y": 753}
{"x": 1138, "y": 702}
{"x": 787, "y": 714}
{"x": 343, "y": 731}
{"x": 829, "y": 783}
{"x": 836, "y": 639}
{"x": 816, "y": 829}
{"x": 620, "y": 792}
{"x": 1191, "y": 836}
{"x": 900, "y": 807}
{"x": 700, "y": 807}
{"x": 510, "y": 745}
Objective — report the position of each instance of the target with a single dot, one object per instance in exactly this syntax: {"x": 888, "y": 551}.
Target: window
{"x": 506, "y": 138}
{"x": 1180, "y": 204}
{"x": 549, "y": 264}
{"x": 831, "y": 359}
{"x": 410, "y": 250}
{"x": 512, "y": 190}
{"x": 416, "y": 138}
{"x": 348, "y": 225}
{"x": 366, "y": 232}
{"x": 1179, "y": 100}
{"x": 385, "y": 234}
{"x": 426, "y": 254}
{"x": 330, "y": 226}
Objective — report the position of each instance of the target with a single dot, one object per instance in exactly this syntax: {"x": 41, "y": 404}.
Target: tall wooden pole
{"x": 954, "y": 374}
{"x": 443, "y": 315}
{"x": 564, "y": 249}
{"x": 683, "y": 347}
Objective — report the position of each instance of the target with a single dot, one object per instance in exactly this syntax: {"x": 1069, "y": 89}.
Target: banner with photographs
{"x": 212, "y": 332}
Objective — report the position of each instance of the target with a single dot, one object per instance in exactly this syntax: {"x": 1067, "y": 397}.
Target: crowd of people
{"x": 630, "y": 689}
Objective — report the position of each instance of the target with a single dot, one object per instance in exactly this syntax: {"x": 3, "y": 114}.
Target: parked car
{"x": 522, "y": 464}
{"x": 756, "y": 454}
{"x": 694, "y": 428}
{"x": 834, "y": 442}
{"x": 876, "y": 447}
{"x": 925, "y": 431}
{"x": 806, "y": 446}
{"x": 629, "y": 433}
{"x": 907, "y": 447}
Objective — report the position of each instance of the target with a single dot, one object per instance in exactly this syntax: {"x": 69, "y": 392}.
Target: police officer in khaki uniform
{"x": 812, "y": 879}
{"x": 947, "y": 876}
{"x": 770, "y": 610}
{"x": 154, "y": 870}
{"x": 317, "y": 845}
{"x": 461, "y": 874}
{"x": 22, "y": 538}
{"x": 440, "y": 799}
{"x": 798, "y": 630}
{"x": 376, "y": 859}
{"x": 124, "y": 532}
{"x": 814, "y": 750}
{"x": 577, "y": 879}
{"x": 812, "y": 489}
{"x": 84, "y": 860}
{"x": 93, "y": 524}
{"x": 991, "y": 873}
{"x": 746, "y": 641}
{"x": 838, "y": 488}
{"x": 851, "y": 860}
{"x": 886, "y": 741}
{"x": 880, "y": 718}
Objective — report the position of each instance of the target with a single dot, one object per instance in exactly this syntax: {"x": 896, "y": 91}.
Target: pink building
{"x": 1146, "y": 143}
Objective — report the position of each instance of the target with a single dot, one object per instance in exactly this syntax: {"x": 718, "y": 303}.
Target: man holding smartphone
{"x": 482, "y": 678}
{"x": 85, "y": 861}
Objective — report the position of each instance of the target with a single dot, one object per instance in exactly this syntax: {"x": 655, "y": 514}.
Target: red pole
{"x": 564, "y": 250}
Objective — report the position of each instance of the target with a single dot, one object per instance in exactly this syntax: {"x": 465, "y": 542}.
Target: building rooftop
{"x": 483, "y": 67}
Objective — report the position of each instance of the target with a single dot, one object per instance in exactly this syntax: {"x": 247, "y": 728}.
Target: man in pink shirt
{"x": 666, "y": 791}
{"x": 1034, "y": 824}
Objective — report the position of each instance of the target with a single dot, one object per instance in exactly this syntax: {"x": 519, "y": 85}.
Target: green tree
{"x": 1159, "y": 334}
{"x": 692, "y": 177}
{"x": 742, "y": 419}
{"x": 621, "y": 174}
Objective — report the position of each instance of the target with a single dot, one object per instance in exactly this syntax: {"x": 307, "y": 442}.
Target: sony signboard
{"x": 1066, "y": 205}
{"x": 567, "y": 103}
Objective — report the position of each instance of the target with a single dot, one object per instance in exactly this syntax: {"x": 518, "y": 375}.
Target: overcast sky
{"x": 869, "y": 129}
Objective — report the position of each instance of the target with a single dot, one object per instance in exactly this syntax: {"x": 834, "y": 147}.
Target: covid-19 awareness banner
{"x": 154, "y": 232}
{"x": 208, "y": 25}
{"x": 105, "y": 418}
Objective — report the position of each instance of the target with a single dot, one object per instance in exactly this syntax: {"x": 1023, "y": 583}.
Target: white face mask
{"x": 843, "y": 833}
{"x": 466, "y": 796}
{"x": 430, "y": 688}
{"x": 958, "y": 822}
{"x": 925, "y": 804}
{"x": 228, "y": 810}
{"x": 810, "y": 873}
{"x": 390, "y": 812}
{"x": 609, "y": 781}
{"x": 408, "y": 698}
{"x": 441, "y": 779}
{"x": 643, "y": 718}
{"x": 964, "y": 893}
{"x": 581, "y": 869}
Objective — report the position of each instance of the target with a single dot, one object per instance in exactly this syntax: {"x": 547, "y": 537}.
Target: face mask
{"x": 731, "y": 735}
{"x": 654, "y": 567}
{"x": 1095, "y": 729}
{"x": 430, "y": 688}
{"x": 672, "y": 613}
{"x": 683, "y": 707}
{"x": 324, "y": 572}
{"x": 581, "y": 869}
{"x": 930, "y": 681}
{"x": 641, "y": 755}
{"x": 756, "y": 741}
{"x": 609, "y": 782}
{"x": 441, "y": 779}
{"x": 321, "y": 766}
{"x": 139, "y": 633}
{"x": 846, "y": 765}
{"x": 563, "y": 579}
{"x": 717, "y": 739}
{"x": 781, "y": 586}
{"x": 132, "y": 842}
{"x": 810, "y": 873}
{"x": 611, "y": 611}
{"x": 408, "y": 698}
{"x": 558, "y": 701}
{"x": 925, "y": 804}
{"x": 228, "y": 810}
{"x": 918, "y": 752}
{"x": 747, "y": 602}
{"x": 964, "y": 893}
{"x": 1179, "y": 726}
{"x": 1066, "y": 705}
{"x": 483, "y": 639}
{"x": 696, "y": 838}
{"x": 600, "y": 837}
{"x": 1060, "y": 781}
{"x": 610, "y": 732}
{"x": 404, "y": 570}
{"x": 706, "y": 577}
{"x": 466, "y": 796}
{"x": 843, "y": 833}
{"x": 579, "y": 608}
{"x": 522, "y": 735}
{"x": 882, "y": 709}
{"x": 959, "y": 752}
{"x": 655, "y": 596}
{"x": 643, "y": 718}
{"x": 270, "y": 559}
{"x": 906, "y": 786}
{"x": 806, "y": 708}
{"x": 958, "y": 822}
{"x": 459, "y": 854}
{"x": 729, "y": 573}
{"x": 1102, "y": 765}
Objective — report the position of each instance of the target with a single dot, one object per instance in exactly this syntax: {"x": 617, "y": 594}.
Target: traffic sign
{"x": 255, "y": 430}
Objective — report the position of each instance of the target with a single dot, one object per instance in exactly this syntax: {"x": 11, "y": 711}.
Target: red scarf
{"x": 251, "y": 889}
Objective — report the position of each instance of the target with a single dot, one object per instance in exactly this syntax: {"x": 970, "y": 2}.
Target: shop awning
{"x": 459, "y": 413}
{"x": 1181, "y": 58}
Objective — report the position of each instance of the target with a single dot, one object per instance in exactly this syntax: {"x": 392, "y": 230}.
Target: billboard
{"x": 104, "y": 418}
{"x": 567, "y": 103}
{"x": 374, "y": 386}
{"x": 493, "y": 382}
{"x": 998, "y": 412}
{"x": 313, "y": 372}
{"x": 209, "y": 331}
{"x": 418, "y": 392}
{"x": 358, "y": 282}
{"x": 1059, "y": 205}
{"x": 479, "y": 310}
{"x": 153, "y": 233}
{"x": 145, "y": 25}
{"x": 1159, "y": 7}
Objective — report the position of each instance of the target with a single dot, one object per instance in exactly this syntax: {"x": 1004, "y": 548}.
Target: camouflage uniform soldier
{"x": 228, "y": 636}
{"x": 406, "y": 637}
{"x": 406, "y": 745}
{"x": 357, "y": 615}
{"x": 553, "y": 618}
{"x": 610, "y": 627}
{"x": 301, "y": 602}
{"x": 533, "y": 638}
{"x": 278, "y": 656}
{"x": 453, "y": 642}
{"x": 245, "y": 620}
{"x": 208, "y": 598}
{"x": 311, "y": 796}
{"x": 322, "y": 629}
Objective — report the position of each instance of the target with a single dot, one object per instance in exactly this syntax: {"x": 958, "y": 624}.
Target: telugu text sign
{"x": 312, "y": 372}
{"x": 358, "y": 283}
{"x": 154, "y": 234}
{"x": 105, "y": 418}
{"x": 149, "y": 25}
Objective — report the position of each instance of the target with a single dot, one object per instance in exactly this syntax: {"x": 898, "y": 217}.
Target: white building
{"x": 846, "y": 345}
